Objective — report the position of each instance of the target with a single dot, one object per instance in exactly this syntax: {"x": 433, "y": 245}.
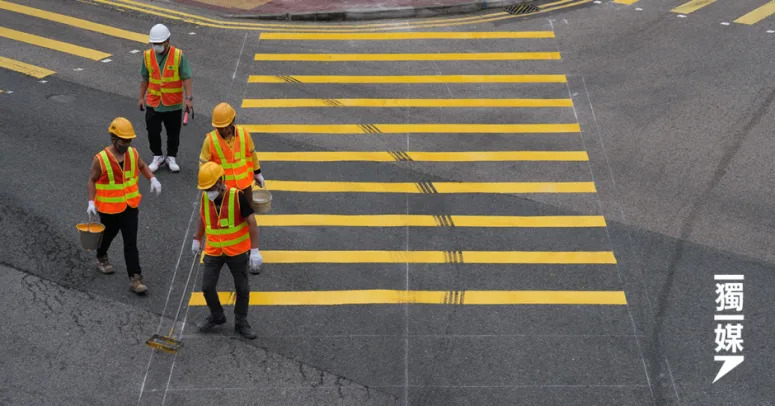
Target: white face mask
{"x": 158, "y": 48}
{"x": 213, "y": 194}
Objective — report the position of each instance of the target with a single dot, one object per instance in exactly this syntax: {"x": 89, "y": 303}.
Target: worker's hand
{"x": 91, "y": 209}
{"x": 189, "y": 103}
{"x": 155, "y": 186}
{"x": 141, "y": 104}
{"x": 260, "y": 179}
{"x": 255, "y": 259}
{"x": 195, "y": 246}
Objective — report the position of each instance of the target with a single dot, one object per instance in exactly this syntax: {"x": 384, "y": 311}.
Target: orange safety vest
{"x": 165, "y": 88}
{"x": 117, "y": 188}
{"x": 237, "y": 164}
{"x": 227, "y": 232}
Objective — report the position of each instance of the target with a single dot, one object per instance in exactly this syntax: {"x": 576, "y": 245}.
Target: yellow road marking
{"x": 75, "y": 22}
{"x": 25, "y": 68}
{"x": 295, "y": 103}
{"x": 419, "y": 220}
{"x": 437, "y": 297}
{"x": 556, "y": 3}
{"x": 439, "y": 257}
{"x": 53, "y": 44}
{"x": 457, "y": 56}
{"x": 692, "y": 6}
{"x": 628, "y": 2}
{"x": 411, "y": 128}
{"x": 382, "y": 156}
{"x": 757, "y": 15}
{"x": 409, "y": 79}
{"x": 323, "y": 36}
{"x": 431, "y": 187}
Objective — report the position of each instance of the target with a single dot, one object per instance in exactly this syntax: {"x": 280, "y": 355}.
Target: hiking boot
{"x": 172, "y": 164}
{"x": 210, "y": 322}
{"x": 158, "y": 160}
{"x": 104, "y": 266}
{"x": 245, "y": 331}
{"x": 136, "y": 284}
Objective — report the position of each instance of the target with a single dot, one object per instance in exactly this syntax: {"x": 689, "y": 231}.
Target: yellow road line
{"x": 692, "y": 6}
{"x": 439, "y": 257}
{"x": 419, "y": 220}
{"x": 473, "y": 103}
{"x": 298, "y": 79}
{"x": 75, "y": 22}
{"x": 456, "y": 56}
{"x": 628, "y": 2}
{"x": 432, "y": 297}
{"x": 53, "y": 44}
{"x": 411, "y": 128}
{"x": 430, "y": 187}
{"x": 323, "y": 36}
{"x": 384, "y": 156}
{"x": 757, "y": 15}
{"x": 25, "y": 68}
{"x": 556, "y": 3}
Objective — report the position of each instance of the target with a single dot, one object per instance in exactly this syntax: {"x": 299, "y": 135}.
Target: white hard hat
{"x": 159, "y": 33}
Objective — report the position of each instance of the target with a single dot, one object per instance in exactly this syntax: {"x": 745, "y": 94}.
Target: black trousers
{"x": 238, "y": 265}
{"x": 172, "y": 121}
{"x": 126, "y": 222}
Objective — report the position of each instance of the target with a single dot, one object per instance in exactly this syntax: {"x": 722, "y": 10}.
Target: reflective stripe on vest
{"x": 237, "y": 164}
{"x": 165, "y": 88}
{"x": 117, "y": 188}
{"x": 225, "y": 233}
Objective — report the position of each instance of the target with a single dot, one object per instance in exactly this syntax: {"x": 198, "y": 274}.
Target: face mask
{"x": 120, "y": 148}
{"x": 213, "y": 194}
{"x": 158, "y": 48}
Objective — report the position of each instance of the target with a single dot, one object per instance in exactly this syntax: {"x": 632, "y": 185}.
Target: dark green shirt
{"x": 184, "y": 72}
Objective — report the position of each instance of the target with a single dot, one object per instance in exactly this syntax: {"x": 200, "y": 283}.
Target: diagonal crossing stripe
{"x": 53, "y": 44}
{"x": 420, "y": 220}
{"x": 25, "y": 68}
{"x": 315, "y": 79}
{"x": 438, "y": 257}
{"x": 431, "y": 187}
{"x": 422, "y": 156}
{"x": 692, "y": 6}
{"x": 431, "y": 103}
{"x": 463, "y": 56}
{"x": 323, "y": 36}
{"x": 758, "y": 14}
{"x": 411, "y": 128}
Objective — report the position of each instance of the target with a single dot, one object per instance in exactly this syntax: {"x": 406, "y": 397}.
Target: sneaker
{"x": 245, "y": 331}
{"x": 172, "y": 164}
{"x": 158, "y": 160}
{"x": 104, "y": 265}
{"x": 136, "y": 284}
{"x": 210, "y": 322}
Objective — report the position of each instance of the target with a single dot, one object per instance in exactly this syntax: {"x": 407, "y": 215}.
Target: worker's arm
{"x": 188, "y": 92}
{"x": 204, "y": 154}
{"x": 200, "y": 229}
{"x": 144, "y": 169}
{"x": 253, "y": 153}
{"x": 253, "y": 232}
{"x": 141, "y": 98}
{"x": 94, "y": 175}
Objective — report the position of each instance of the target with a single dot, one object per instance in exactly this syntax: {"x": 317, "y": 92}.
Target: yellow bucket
{"x": 90, "y": 234}
{"x": 262, "y": 201}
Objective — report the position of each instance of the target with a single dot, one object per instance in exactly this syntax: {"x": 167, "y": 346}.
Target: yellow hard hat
{"x": 122, "y": 128}
{"x": 223, "y": 115}
{"x": 209, "y": 173}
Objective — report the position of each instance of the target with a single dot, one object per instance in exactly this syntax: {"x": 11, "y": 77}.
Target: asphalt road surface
{"x": 514, "y": 210}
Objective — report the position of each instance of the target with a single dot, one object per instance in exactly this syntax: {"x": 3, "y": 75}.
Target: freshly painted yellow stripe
{"x": 692, "y": 6}
{"x": 53, "y": 44}
{"x": 313, "y": 79}
{"x": 431, "y": 187}
{"x": 625, "y": 1}
{"x": 411, "y": 128}
{"x": 556, "y": 3}
{"x": 432, "y": 297}
{"x": 439, "y": 257}
{"x": 25, "y": 68}
{"x": 419, "y": 220}
{"x": 381, "y": 156}
{"x": 473, "y": 103}
{"x": 757, "y": 15}
{"x": 323, "y": 36}
{"x": 460, "y": 56}
{"x": 75, "y": 22}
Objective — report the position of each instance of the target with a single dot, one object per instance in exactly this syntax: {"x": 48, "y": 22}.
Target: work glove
{"x": 255, "y": 260}
{"x": 91, "y": 209}
{"x": 155, "y": 186}
{"x": 195, "y": 246}
{"x": 260, "y": 180}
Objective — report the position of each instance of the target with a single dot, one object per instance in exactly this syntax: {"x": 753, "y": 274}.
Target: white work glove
{"x": 255, "y": 259}
{"x": 195, "y": 245}
{"x": 91, "y": 209}
{"x": 155, "y": 186}
{"x": 260, "y": 179}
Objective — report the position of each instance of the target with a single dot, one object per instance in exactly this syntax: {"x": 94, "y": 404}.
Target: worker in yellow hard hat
{"x": 231, "y": 146}
{"x": 115, "y": 197}
{"x": 226, "y": 219}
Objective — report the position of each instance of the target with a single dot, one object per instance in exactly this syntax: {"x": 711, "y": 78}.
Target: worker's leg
{"x": 172, "y": 122}
{"x": 238, "y": 265}
{"x": 112, "y": 227}
{"x": 212, "y": 269}
{"x": 129, "y": 234}
{"x": 153, "y": 122}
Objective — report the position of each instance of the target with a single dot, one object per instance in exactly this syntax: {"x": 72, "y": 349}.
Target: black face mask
{"x": 120, "y": 148}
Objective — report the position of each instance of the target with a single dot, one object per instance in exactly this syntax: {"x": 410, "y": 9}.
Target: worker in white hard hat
{"x": 165, "y": 89}
{"x": 114, "y": 196}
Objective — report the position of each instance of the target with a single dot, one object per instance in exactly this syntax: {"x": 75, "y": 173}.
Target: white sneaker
{"x": 172, "y": 164}
{"x": 157, "y": 161}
